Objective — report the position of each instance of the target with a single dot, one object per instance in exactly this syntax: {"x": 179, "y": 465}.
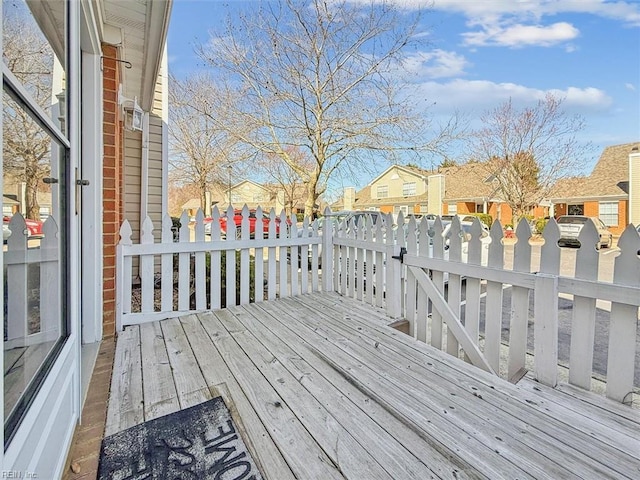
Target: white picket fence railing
{"x": 32, "y": 306}
{"x": 450, "y": 290}
{"x": 445, "y": 286}
{"x": 255, "y": 263}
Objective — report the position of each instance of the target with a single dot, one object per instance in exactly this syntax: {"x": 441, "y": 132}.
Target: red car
{"x": 237, "y": 220}
{"x": 34, "y": 227}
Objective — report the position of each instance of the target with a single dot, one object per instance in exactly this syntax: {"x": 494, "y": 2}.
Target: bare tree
{"x": 323, "y": 78}
{"x": 284, "y": 177}
{"x": 26, "y": 148}
{"x": 526, "y": 151}
{"x": 201, "y": 152}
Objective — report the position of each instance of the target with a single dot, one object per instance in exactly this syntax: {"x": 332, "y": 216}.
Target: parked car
{"x": 34, "y": 227}
{"x": 571, "y": 225}
{"x": 237, "y": 224}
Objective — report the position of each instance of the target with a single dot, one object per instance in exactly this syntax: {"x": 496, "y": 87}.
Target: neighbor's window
{"x": 236, "y": 198}
{"x": 452, "y": 208}
{"x": 608, "y": 213}
{"x": 383, "y": 191}
{"x": 409, "y": 189}
{"x": 575, "y": 209}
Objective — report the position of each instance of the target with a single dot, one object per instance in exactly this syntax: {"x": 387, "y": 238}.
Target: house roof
{"x": 469, "y": 181}
{"x": 408, "y": 169}
{"x": 610, "y": 177}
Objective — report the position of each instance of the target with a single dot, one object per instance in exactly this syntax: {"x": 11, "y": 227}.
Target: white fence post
{"x": 146, "y": 267}
{"x": 123, "y": 275}
{"x": 50, "y": 279}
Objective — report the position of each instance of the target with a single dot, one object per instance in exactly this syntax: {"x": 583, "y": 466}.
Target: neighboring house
{"x": 398, "y": 188}
{"x": 108, "y": 121}
{"x": 468, "y": 189}
{"x": 459, "y": 189}
{"x": 606, "y": 192}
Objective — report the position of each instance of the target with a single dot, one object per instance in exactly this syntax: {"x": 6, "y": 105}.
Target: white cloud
{"x": 627, "y": 11}
{"x": 435, "y": 64}
{"x": 522, "y": 35}
{"x": 630, "y": 86}
{"x": 478, "y": 95}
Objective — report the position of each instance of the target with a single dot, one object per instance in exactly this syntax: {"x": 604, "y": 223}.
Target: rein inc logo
{"x": 18, "y": 474}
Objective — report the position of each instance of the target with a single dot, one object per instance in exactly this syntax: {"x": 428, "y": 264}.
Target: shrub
{"x": 540, "y": 224}
{"x": 300, "y": 217}
{"x": 484, "y": 218}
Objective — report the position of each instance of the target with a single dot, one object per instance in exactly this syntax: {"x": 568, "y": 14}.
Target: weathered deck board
{"x": 542, "y": 433}
{"x": 322, "y": 388}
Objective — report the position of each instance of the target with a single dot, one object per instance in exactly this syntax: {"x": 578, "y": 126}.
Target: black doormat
{"x": 200, "y": 442}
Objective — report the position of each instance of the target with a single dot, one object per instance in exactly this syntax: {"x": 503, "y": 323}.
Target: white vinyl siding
{"x": 608, "y": 213}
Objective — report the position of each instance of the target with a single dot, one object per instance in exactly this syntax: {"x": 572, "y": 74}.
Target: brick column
{"x": 113, "y": 206}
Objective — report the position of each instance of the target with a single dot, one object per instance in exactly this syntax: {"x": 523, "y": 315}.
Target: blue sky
{"x": 480, "y": 53}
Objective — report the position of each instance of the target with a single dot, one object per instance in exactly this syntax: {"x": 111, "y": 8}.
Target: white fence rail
{"x": 452, "y": 288}
{"x": 214, "y": 268}
{"x": 33, "y": 285}
{"x": 449, "y": 283}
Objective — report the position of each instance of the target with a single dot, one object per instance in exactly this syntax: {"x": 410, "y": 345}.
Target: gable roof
{"x": 469, "y": 181}
{"x": 610, "y": 176}
{"x": 407, "y": 169}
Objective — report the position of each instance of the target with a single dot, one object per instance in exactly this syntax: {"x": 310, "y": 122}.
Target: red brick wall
{"x": 112, "y": 184}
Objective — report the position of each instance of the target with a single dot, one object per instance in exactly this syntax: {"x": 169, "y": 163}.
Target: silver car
{"x": 571, "y": 225}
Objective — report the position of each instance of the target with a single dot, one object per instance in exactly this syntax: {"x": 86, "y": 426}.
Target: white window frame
{"x": 408, "y": 189}
{"x": 607, "y": 211}
{"x": 382, "y": 191}
{"x": 452, "y": 208}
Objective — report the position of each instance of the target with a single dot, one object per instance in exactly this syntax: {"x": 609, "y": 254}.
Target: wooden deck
{"x": 323, "y": 388}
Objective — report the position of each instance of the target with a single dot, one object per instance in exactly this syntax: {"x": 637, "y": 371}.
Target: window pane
{"x": 383, "y": 191}
{"x": 608, "y": 213}
{"x": 409, "y": 189}
{"x": 34, "y": 319}
{"x": 34, "y": 50}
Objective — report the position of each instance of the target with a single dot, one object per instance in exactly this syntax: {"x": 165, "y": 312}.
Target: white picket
{"x": 438, "y": 281}
{"x": 315, "y": 258}
{"x": 123, "y": 275}
{"x": 184, "y": 266}
{"x": 411, "y": 305}
{"x": 583, "y": 323}
{"x": 472, "y": 291}
{"x": 230, "y": 259}
{"x": 293, "y": 233}
{"x": 304, "y": 254}
{"x": 146, "y": 267}
{"x": 328, "y": 231}
{"x": 245, "y": 282}
{"x": 379, "y": 264}
{"x": 361, "y": 261}
{"x": 282, "y": 256}
{"x": 623, "y": 321}
{"x": 166, "y": 261}
{"x": 271, "y": 285}
{"x": 519, "y": 304}
{"x": 200, "y": 264}
{"x": 401, "y": 246}
{"x": 259, "y": 259}
{"x": 493, "y": 304}
{"x": 17, "y": 271}
{"x": 545, "y": 327}
{"x": 215, "y": 271}
{"x": 422, "y": 310}
{"x": 50, "y": 281}
{"x": 455, "y": 281}
{"x": 369, "y": 258}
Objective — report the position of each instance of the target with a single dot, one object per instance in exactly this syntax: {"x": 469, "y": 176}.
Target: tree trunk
{"x": 32, "y": 205}
{"x": 310, "y": 202}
